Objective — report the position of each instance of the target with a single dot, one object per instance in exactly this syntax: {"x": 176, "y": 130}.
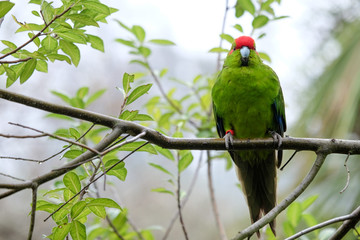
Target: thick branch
{"x": 286, "y": 202}
{"x": 310, "y": 144}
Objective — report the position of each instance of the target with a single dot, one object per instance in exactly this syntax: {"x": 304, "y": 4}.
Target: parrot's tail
{"x": 258, "y": 180}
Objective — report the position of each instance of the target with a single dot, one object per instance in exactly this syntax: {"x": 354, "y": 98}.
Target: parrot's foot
{"x": 229, "y": 139}
{"x": 277, "y": 138}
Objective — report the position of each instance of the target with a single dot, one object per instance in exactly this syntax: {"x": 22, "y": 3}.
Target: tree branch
{"x": 320, "y": 158}
{"x": 324, "y": 224}
{"x": 347, "y": 225}
{"x": 33, "y": 210}
{"x": 219, "y": 224}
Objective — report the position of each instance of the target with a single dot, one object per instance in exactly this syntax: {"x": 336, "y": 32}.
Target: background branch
{"x": 347, "y": 225}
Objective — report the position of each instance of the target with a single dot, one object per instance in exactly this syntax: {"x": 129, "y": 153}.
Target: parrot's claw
{"x": 229, "y": 139}
{"x": 277, "y": 138}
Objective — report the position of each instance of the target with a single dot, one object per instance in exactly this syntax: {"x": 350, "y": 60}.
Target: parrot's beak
{"x": 245, "y": 53}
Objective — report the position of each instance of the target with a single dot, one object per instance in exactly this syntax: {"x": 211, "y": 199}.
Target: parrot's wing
{"x": 219, "y": 123}
{"x": 279, "y": 119}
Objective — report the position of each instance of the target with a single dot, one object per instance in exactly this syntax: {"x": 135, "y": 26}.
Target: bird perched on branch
{"x": 248, "y": 103}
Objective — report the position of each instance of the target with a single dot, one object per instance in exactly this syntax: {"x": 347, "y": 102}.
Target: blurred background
{"x": 315, "y": 52}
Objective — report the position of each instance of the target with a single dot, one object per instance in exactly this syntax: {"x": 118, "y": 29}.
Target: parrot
{"x": 248, "y": 103}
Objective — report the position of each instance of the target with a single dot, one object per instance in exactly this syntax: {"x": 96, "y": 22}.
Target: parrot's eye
{"x": 234, "y": 48}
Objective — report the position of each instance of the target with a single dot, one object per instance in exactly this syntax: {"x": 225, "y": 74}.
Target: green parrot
{"x": 248, "y": 103}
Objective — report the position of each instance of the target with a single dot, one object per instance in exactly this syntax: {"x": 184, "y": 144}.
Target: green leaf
{"x": 246, "y": 5}
{"x": 95, "y": 42}
{"x": 61, "y": 215}
{"x": 238, "y": 27}
{"x": 260, "y": 21}
{"x": 162, "y": 190}
{"x": 126, "y": 42}
{"x": 142, "y": 117}
{"x": 309, "y": 219}
{"x": 163, "y": 72}
{"x": 162, "y": 42}
{"x": 265, "y": 56}
{"x": 139, "y": 32}
{"x": 289, "y": 230}
{"x": 11, "y": 45}
{"x": 134, "y": 145}
{"x": 61, "y": 96}
{"x": 103, "y": 202}
{"x": 185, "y": 161}
{"x": 72, "y": 154}
{"x": 82, "y": 92}
{"x": 127, "y": 80}
{"x": 47, "y": 11}
{"x": 138, "y": 92}
{"x": 162, "y": 169}
{"x": 11, "y": 76}
{"x": 75, "y": 133}
{"x": 293, "y": 213}
{"x": 47, "y": 207}
{"x": 227, "y": 37}
{"x": 72, "y": 182}
{"x": 218, "y": 50}
{"x": 77, "y": 209}
{"x": 145, "y": 51}
{"x": 49, "y": 43}
{"x": 165, "y": 152}
{"x": 119, "y": 173}
{"x": 60, "y": 57}
{"x": 78, "y": 230}
{"x": 72, "y": 37}
{"x": 98, "y": 211}
{"x": 72, "y": 50}
{"x": 95, "y": 96}
{"x": 97, "y": 7}
{"x": 42, "y": 66}
{"x": 128, "y": 115}
{"x": 5, "y": 7}
{"x": 28, "y": 70}
{"x": 83, "y": 19}
{"x": 308, "y": 202}
{"x": 61, "y": 231}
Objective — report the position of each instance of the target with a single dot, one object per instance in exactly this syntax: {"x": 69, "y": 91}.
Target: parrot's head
{"x": 244, "y": 45}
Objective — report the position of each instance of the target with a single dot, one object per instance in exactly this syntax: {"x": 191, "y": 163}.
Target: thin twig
{"x": 33, "y": 211}
{"x": 95, "y": 179}
{"x": 123, "y": 143}
{"x": 58, "y": 138}
{"x": 348, "y": 174}
{"x": 219, "y": 224}
{"x": 9, "y": 176}
{"x": 186, "y": 198}
{"x": 178, "y": 192}
{"x": 320, "y": 225}
{"x": 16, "y": 61}
{"x": 22, "y": 136}
{"x": 291, "y": 157}
{"x": 218, "y": 65}
{"x": 270, "y": 216}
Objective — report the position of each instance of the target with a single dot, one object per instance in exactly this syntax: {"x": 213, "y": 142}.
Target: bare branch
{"x": 320, "y": 158}
{"x": 33, "y": 211}
{"x": 218, "y": 62}
{"x": 22, "y": 136}
{"x": 213, "y": 200}
{"x": 347, "y": 225}
{"x": 300, "y": 144}
{"x": 16, "y": 61}
{"x": 178, "y": 192}
{"x": 348, "y": 174}
{"x": 186, "y": 198}
{"x": 9, "y": 176}
{"x": 321, "y": 225}
{"x": 58, "y": 138}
